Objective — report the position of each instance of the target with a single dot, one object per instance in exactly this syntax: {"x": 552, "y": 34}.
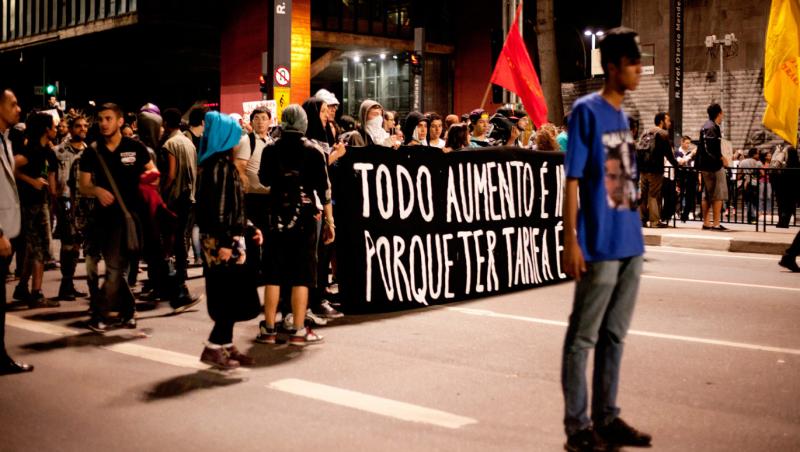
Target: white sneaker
{"x": 316, "y": 319}
{"x": 305, "y": 337}
{"x": 288, "y": 322}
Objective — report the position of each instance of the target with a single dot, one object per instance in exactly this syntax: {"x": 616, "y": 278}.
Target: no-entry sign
{"x": 282, "y": 76}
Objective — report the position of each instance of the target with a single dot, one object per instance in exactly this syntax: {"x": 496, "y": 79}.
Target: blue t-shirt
{"x": 601, "y": 154}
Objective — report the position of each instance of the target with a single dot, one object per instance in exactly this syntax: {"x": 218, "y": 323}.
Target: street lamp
{"x": 594, "y": 36}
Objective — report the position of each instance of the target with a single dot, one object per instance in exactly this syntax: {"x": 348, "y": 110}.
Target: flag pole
{"x": 486, "y": 94}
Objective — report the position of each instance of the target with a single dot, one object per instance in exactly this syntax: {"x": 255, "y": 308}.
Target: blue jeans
{"x": 601, "y": 314}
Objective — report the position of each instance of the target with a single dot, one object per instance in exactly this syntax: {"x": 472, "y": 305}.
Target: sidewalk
{"x": 740, "y": 239}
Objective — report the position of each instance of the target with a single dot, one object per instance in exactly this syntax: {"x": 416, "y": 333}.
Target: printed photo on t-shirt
{"x": 622, "y": 192}
{"x": 127, "y": 158}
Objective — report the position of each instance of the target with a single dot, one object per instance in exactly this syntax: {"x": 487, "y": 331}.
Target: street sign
{"x": 282, "y": 100}
{"x": 648, "y": 70}
{"x": 282, "y": 76}
{"x": 281, "y": 47}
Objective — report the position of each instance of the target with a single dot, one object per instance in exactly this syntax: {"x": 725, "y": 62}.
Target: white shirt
{"x": 254, "y": 165}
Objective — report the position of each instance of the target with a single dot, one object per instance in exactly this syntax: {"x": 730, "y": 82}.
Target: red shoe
{"x": 218, "y": 358}
{"x": 235, "y": 354}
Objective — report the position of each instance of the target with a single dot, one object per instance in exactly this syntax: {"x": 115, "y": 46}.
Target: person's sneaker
{"x": 719, "y": 228}
{"x": 37, "y": 300}
{"x": 186, "y": 304}
{"x": 78, "y": 294}
{"x": 618, "y": 432}
{"x": 266, "y": 335}
{"x": 304, "y": 337}
{"x": 661, "y": 225}
{"x": 218, "y": 358}
{"x": 288, "y": 321}
{"x": 707, "y": 228}
{"x": 585, "y": 440}
{"x": 21, "y": 293}
{"x": 98, "y": 326}
{"x": 129, "y": 323}
{"x": 328, "y": 311}
{"x": 66, "y": 293}
{"x": 315, "y": 319}
{"x": 236, "y": 355}
{"x": 790, "y": 263}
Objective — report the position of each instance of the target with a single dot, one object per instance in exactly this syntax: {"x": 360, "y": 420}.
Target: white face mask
{"x": 374, "y": 128}
{"x": 374, "y": 124}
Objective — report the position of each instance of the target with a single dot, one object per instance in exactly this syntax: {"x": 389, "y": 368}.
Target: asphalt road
{"x": 711, "y": 364}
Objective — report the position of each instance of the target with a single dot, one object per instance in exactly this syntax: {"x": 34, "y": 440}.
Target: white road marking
{"x": 698, "y": 340}
{"x": 372, "y": 404}
{"x": 40, "y": 327}
{"x": 126, "y": 348}
{"x": 699, "y": 237}
{"x": 158, "y": 355}
{"x": 723, "y": 283}
{"x": 657, "y": 249}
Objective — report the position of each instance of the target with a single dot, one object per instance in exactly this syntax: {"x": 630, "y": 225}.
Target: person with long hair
{"x": 457, "y": 137}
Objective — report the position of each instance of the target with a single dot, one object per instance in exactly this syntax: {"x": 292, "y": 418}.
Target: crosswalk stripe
{"x": 126, "y": 348}
{"x": 372, "y": 404}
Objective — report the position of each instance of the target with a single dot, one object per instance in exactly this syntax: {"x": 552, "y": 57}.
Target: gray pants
{"x": 116, "y": 293}
{"x": 601, "y": 314}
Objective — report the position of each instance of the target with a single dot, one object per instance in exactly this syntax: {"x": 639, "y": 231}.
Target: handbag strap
{"x": 111, "y": 180}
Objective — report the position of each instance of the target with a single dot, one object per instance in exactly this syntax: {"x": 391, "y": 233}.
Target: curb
{"x": 703, "y": 242}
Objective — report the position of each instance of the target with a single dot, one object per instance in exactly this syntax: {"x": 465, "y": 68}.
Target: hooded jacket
{"x": 412, "y": 120}
{"x": 315, "y": 131}
{"x": 149, "y": 127}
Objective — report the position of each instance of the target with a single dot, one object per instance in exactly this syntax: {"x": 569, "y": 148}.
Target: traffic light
{"x": 262, "y": 84}
{"x": 51, "y": 89}
{"x": 415, "y": 59}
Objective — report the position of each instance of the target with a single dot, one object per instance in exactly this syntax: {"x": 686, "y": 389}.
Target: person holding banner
{"x": 371, "y": 130}
{"x": 603, "y": 249}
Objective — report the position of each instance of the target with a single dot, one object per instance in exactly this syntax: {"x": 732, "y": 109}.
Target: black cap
{"x": 619, "y": 42}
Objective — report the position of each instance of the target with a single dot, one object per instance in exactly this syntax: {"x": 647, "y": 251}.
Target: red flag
{"x": 514, "y": 72}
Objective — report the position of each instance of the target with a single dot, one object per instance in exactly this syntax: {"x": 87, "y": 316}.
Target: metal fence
{"x": 761, "y": 197}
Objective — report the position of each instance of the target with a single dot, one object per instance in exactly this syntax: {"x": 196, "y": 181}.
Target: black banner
{"x": 676, "y": 46}
{"x": 418, "y": 227}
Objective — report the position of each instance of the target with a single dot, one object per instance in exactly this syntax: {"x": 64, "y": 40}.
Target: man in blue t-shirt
{"x": 603, "y": 249}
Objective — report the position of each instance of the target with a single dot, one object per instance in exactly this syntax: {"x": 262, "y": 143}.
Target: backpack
{"x": 702, "y": 157}
{"x": 291, "y": 208}
{"x": 646, "y": 150}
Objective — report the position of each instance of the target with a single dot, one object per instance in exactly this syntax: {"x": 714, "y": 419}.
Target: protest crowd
{"x": 247, "y": 198}
{"x": 250, "y": 199}
{"x": 267, "y": 206}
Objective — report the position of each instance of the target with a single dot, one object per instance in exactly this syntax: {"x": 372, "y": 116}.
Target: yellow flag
{"x": 781, "y": 76}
